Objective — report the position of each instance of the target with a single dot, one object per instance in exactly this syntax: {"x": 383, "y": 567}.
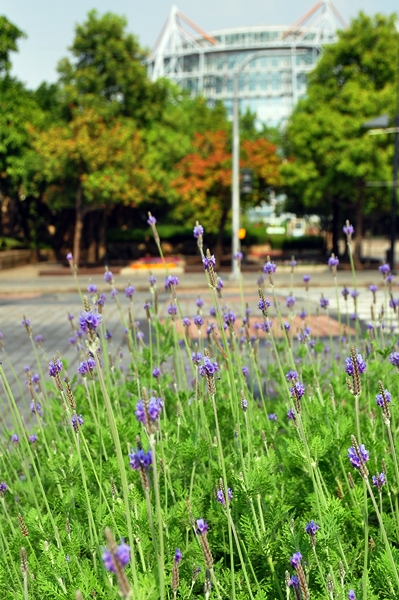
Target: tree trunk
{"x": 79, "y": 216}
{"x": 92, "y": 237}
{"x": 335, "y": 229}
{"x": 219, "y": 240}
{"x": 102, "y": 235}
{"x": 359, "y": 223}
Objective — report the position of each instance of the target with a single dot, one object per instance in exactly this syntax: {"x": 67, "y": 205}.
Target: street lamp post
{"x": 235, "y": 200}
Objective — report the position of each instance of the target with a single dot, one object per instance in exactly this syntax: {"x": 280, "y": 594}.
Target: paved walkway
{"x": 46, "y": 302}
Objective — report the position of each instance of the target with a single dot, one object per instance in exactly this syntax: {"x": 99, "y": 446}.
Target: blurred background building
{"x": 270, "y": 86}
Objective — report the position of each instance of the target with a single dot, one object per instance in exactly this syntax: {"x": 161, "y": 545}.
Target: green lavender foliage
{"x": 279, "y": 481}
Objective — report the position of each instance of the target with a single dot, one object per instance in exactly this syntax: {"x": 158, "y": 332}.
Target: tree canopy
{"x": 330, "y": 156}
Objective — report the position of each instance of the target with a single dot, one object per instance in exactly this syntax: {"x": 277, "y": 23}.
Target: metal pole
{"x": 235, "y": 204}
{"x": 395, "y": 174}
{"x": 394, "y": 195}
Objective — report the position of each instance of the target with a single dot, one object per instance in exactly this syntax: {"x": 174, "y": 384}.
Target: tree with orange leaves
{"x": 203, "y": 181}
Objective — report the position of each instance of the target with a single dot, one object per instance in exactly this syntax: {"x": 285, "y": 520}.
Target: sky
{"x": 49, "y": 24}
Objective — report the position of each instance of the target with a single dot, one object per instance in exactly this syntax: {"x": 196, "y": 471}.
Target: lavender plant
{"x": 232, "y": 459}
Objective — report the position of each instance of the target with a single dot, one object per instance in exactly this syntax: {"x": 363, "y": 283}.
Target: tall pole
{"x": 235, "y": 204}
{"x": 395, "y": 174}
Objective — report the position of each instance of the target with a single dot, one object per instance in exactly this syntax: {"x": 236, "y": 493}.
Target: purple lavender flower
{"x": 140, "y": 459}
{"x": 178, "y": 556}
{"x": 354, "y": 458}
{"x": 25, "y": 322}
{"x": 351, "y": 595}
{"x": 122, "y": 555}
{"x": 198, "y": 321}
{"x": 69, "y": 257}
{"x": 293, "y": 263}
{"x": 156, "y": 372}
{"x": 272, "y": 417}
{"x": 170, "y": 281}
{"x": 298, "y": 390}
{"x": 139, "y": 336}
{"x": 199, "y": 302}
{"x": 154, "y": 409}
{"x": 196, "y": 357}
{"x": 245, "y": 371}
{"x": 212, "y": 311}
{"x": 295, "y": 560}
{"x": 389, "y": 278}
{"x": 39, "y": 339}
{"x": 172, "y": 309}
{"x": 198, "y": 231}
{"x": 209, "y": 367}
{"x": 35, "y": 408}
{"x": 14, "y": 438}
{"x": 324, "y": 302}
{"x": 54, "y": 367}
{"x": 186, "y": 322}
{"x": 72, "y": 340}
{"x": 312, "y": 528}
{"x": 35, "y": 378}
{"x": 286, "y": 326}
{"x": 89, "y": 321}
{"x": 306, "y": 278}
{"x": 108, "y": 276}
{"x": 220, "y": 496}
{"x": 379, "y": 480}
{"x": 92, "y": 288}
{"x": 208, "y": 262}
{"x": 269, "y": 268}
{"x": 384, "y": 269}
{"x": 101, "y": 300}
{"x": 373, "y": 288}
{"x": 32, "y": 438}
{"x": 394, "y": 303}
{"x": 229, "y": 317}
{"x": 379, "y": 399}
{"x": 202, "y": 527}
{"x": 238, "y": 256}
{"x": 77, "y": 421}
{"x": 291, "y": 414}
{"x": 360, "y": 362}
{"x": 348, "y": 229}
{"x": 266, "y": 325}
{"x": 129, "y": 291}
{"x": 290, "y": 301}
{"x": 291, "y": 376}
{"x": 294, "y": 581}
{"x": 86, "y": 366}
{"x": 114, "y": 293}
{"x": 394, "y": 358}
{"x": 147, "y": 305}
{"x": 3, "y": 488}
{"x": 264, "y": 304}
{"x": 303, "y": 314}
{"x": 333, "y": 261}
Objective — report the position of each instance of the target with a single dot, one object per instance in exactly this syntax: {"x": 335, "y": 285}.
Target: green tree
{"x": 9, "y": 36}
{"x": 90, "y": 165}
{"x": 331, "y": 157}
{"x": 107, "y": 71}
{"x": 18, "y": 109}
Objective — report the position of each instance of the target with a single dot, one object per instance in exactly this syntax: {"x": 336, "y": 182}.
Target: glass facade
{"x": 269, "y": 85}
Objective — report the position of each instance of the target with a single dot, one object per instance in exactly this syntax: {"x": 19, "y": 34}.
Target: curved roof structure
{"x": 270, "y": 85}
